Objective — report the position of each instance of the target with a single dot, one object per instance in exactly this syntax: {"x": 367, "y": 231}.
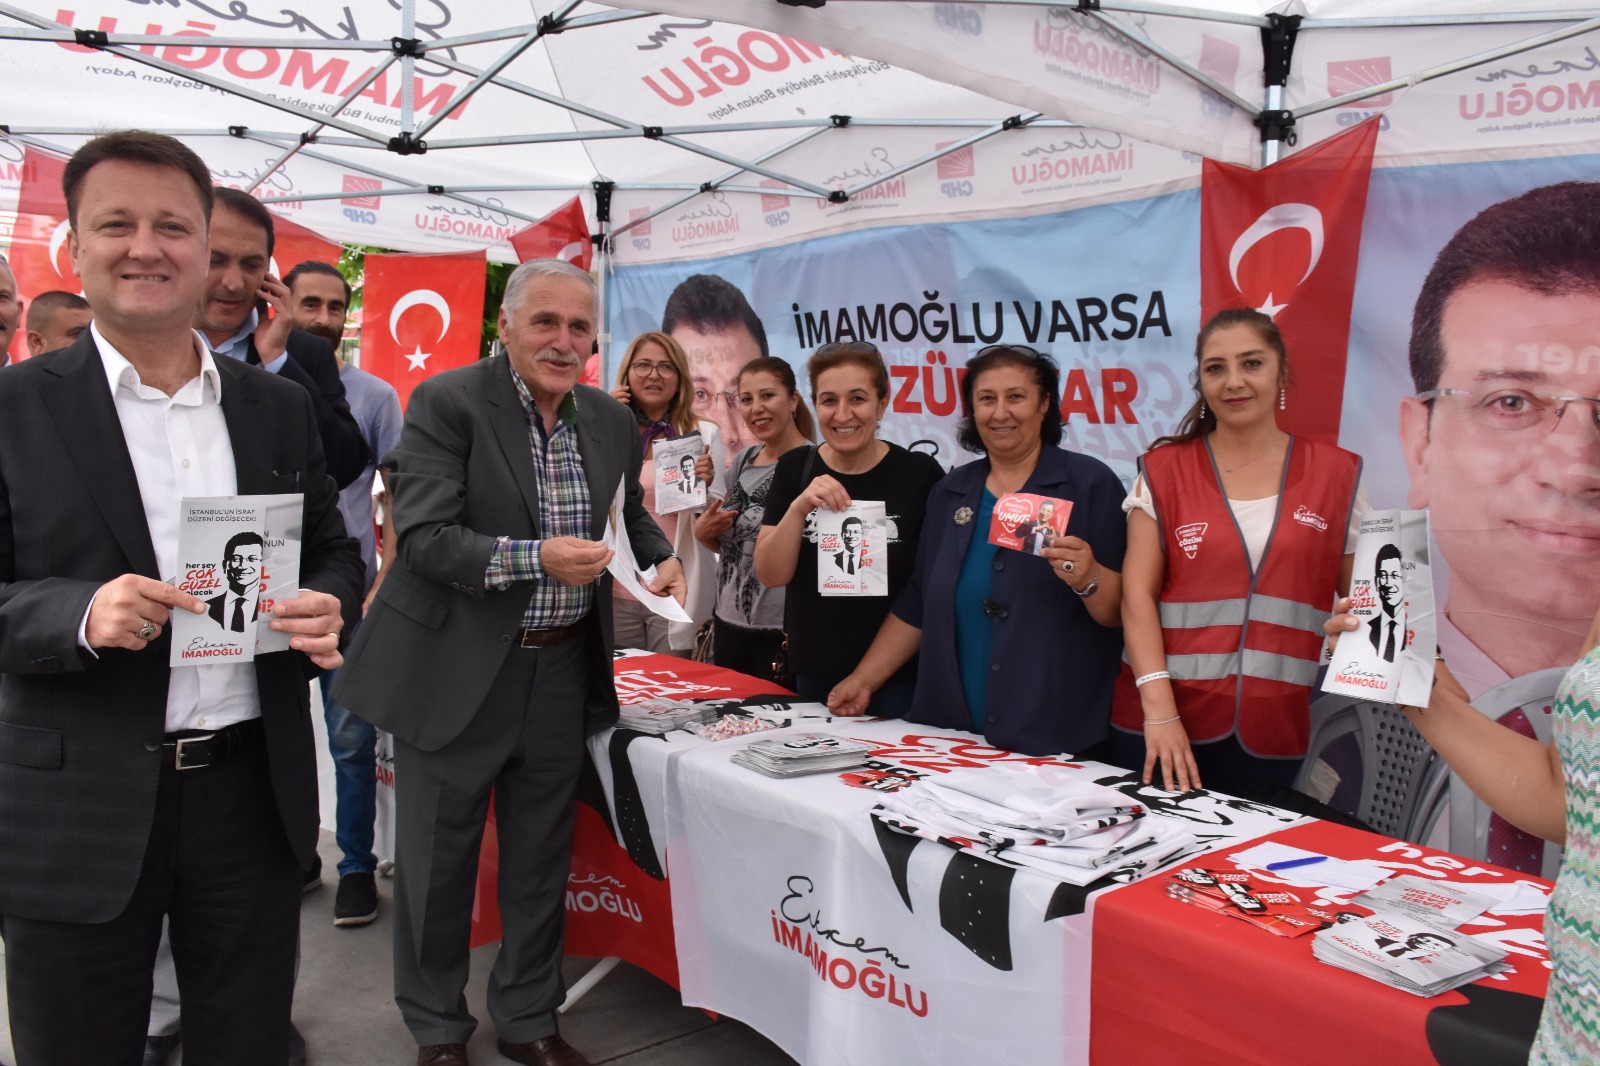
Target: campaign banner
{"x": 1120, "y": 321}
{"x": 421, "y": 315}
{"x": 1525, "y": 490}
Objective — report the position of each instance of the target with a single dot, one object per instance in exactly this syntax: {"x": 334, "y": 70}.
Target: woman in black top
{"x": 828, "y": 636}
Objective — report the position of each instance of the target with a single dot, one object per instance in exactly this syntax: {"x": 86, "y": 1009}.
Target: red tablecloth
{"x": 1175, "y": 983}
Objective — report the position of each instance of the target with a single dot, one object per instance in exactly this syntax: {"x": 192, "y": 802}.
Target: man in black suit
{"x": 1388, "y": 630}
{"x": 241, "y": 564}
{"x": 487, "y": 653}
{"x": 231, "y": 317}
{"x": 131, "y": 790}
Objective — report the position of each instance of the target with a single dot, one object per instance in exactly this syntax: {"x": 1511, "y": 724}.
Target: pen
{"x": 1289, "y": 864}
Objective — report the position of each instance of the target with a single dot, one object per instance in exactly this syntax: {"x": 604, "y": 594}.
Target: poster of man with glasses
{"x": 1502, "y": 436}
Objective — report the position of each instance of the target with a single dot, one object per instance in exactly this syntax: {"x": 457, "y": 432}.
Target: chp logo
{"x": 1352, "y": 75}
{"x": 587, "y": 895}
{"x": 358, "y": 207}
{"x": 1190, "y": 536}
{"x": 639, "y": 232}
{"x": 419, "y": 297}
{"x": 847, "y": 963}
{"x": 954, "y": 171}
{"x": 1219, "y": 61}
{"x": 774, "y": 206}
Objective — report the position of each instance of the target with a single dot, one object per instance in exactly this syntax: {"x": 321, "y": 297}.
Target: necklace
{"x": 1230, "y": 469}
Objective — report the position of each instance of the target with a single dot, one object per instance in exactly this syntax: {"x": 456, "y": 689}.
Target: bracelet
{"x": 1138, "y": 682}
{"x": 1162, "y": 721}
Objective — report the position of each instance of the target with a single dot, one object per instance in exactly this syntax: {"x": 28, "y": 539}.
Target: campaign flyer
{"x": 1028, "y": 523}
{"x": 1267, "y": 906}
{"x": 852, "y": 550}
{"x": 677, "y": 489}
{"x": 1389, "y": 657}
{"x": 280, "y": 564}
{"x": 221, "y": 551}
{"x": 625, "y": 568}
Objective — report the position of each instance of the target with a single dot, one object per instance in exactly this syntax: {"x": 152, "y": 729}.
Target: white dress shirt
{"x": 180, "y": 447}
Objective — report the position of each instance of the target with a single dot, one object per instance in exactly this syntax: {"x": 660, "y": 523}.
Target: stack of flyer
{"x": 802, "y": 753}
{"x": 658, "y": 716}
{"x": 1071, "y": 830}
{"x": 1239, "y": 895}
{"x": 1416, "y": 956}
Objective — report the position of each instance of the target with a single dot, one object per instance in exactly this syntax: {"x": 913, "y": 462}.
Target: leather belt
{"x": 547, "y": 638}
{"x": 194, "y": 749}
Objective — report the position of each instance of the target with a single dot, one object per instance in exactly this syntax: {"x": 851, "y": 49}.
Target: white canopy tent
{"x": 707, "y": 126}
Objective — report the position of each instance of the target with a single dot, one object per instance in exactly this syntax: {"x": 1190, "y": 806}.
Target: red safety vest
{"x": 1242, "y": 647}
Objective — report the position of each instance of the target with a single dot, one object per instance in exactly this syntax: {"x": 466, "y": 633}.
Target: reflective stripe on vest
{"x": 1266, "y": 665}
{"x": 1271, "y": 609}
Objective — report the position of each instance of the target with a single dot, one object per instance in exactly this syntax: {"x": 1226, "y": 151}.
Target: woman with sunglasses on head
{"x": 1239, "y": 536}
{"x": 1020, "y": 648}
{"x": 748, "y": 620}
{"x": 654, "y": 383}
{"x": 827, "y": 636}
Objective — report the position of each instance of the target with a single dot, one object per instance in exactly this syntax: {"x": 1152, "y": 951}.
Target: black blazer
{"x": 462, "y": 475}
{"x": 80, "y": 736}
{"x": 313, "y": 366}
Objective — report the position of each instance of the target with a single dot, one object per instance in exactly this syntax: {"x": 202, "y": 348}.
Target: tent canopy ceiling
{"x": 716, "y": 124}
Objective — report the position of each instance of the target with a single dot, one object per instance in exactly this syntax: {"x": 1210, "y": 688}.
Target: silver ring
{"x": 148, "y": 631}
{"x": 1066, "y": 565}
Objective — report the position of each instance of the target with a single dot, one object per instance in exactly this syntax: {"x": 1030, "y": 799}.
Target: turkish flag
{"x": 1285, "y": 240}
{"x": 293, "y": 244}
{"x": 38, "y": 254}
{"x": 562, "y": 234}
{"x": 421, "y": 314}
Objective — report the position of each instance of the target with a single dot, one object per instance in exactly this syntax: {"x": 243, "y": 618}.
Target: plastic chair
{"x": 1532, "y": 694}
{"x": 1393, "y": 756}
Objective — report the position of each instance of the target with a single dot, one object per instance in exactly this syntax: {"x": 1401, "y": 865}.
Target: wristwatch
{"x": 671, "y": 555}
{"x": 1092, "y": 587}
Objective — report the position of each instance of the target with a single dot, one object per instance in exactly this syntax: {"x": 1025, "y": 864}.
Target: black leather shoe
{"x": 158, "y": 1049}
{"x": 546, "y": 1051}
{"x": 442, "y": 1055}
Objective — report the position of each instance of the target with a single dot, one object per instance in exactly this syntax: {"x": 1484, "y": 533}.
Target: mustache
{"x": 551, "y": 355}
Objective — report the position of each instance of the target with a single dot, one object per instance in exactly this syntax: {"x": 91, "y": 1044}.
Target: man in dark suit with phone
{"x": 131, "y": 790}
{"x": 487, "y": 653}
{"x": 233, "y": 318}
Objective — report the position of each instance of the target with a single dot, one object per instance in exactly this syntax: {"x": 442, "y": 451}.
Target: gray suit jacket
{"x": 462, "y": 476}
{"x": 80, "y": 735}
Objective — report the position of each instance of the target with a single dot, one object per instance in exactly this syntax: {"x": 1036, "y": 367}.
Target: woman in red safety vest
{"x": 1239, "y": 536}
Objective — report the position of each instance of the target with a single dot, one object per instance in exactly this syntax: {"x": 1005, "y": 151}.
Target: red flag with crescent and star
{"x": 562, "y": 234}
{"x": 293, "y": 244}
{"x": 1285, "y": 241}
{"x": 421, "y": 315}
{"x": 38, "y": 255}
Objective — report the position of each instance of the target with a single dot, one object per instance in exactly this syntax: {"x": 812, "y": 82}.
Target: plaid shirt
{"x": 563, "y": 512}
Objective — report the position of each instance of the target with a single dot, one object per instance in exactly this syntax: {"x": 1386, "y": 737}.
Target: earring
{"x": 1202, "y": 409}
{"x": 1283, "y": 399}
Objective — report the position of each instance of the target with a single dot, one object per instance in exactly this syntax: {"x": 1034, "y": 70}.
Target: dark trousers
{"x": 219, "y": 866}
{"x": 749, "y": 651}
{"x": 525, "y": 745}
